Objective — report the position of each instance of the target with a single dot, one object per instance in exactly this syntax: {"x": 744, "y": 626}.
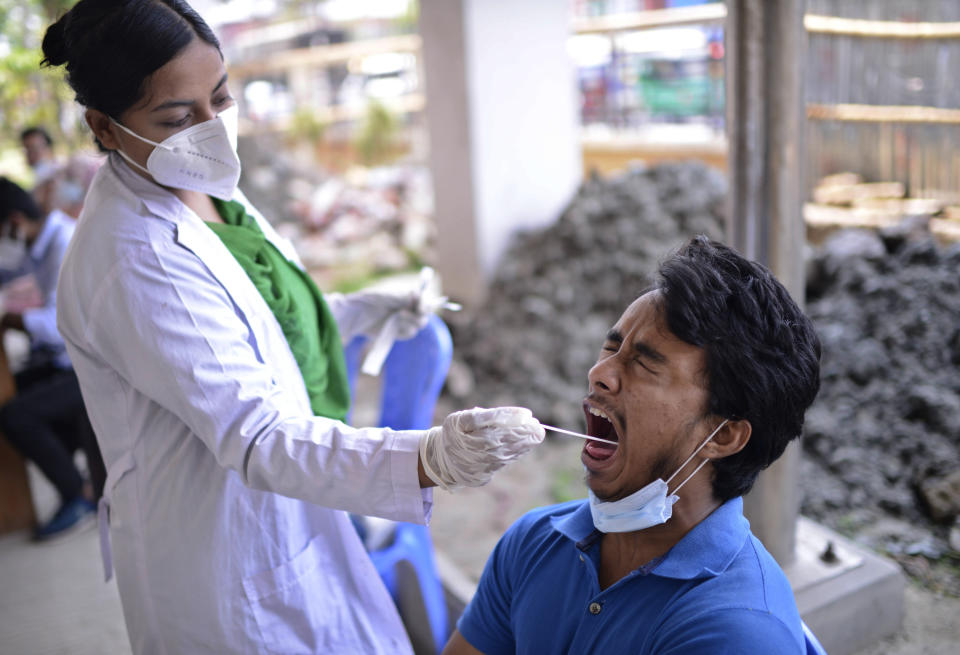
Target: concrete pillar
{"x": 503, "y": 124}
{"x": 765, "y": 53}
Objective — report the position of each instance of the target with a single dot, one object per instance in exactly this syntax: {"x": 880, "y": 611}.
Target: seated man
{"x": 701, "y": 383}
{"x": 46, "y": 421}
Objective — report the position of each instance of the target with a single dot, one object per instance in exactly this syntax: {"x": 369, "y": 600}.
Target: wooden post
{"x": 16, "y": 502}
{"x": 765, "y": 53}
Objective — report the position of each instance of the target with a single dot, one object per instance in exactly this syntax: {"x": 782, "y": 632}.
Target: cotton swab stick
{"x": 577, "y": 434}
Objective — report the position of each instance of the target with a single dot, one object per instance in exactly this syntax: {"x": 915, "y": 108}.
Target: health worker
{"x": 213, "y": 373}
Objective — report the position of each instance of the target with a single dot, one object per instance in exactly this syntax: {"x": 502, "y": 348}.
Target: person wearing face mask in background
{"x": 45, "y": 421}
{"x": 56, "y": 184}
{"x": 701, "y": 384}
{"x": 213, "y": 372}
{"x": 38, "y": 150}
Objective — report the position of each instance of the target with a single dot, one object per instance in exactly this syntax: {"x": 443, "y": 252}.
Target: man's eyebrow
{"x": 614, "y": 336}
{"x": 649, "y": 352}
{"x": 170, "y": 104}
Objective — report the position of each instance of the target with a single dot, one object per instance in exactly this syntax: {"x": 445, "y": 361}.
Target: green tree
{"x": 30, "y": 94}
{"x": 377, "y": 135}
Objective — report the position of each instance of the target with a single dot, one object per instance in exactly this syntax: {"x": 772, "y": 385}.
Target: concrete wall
{"x": 503, "y": 122}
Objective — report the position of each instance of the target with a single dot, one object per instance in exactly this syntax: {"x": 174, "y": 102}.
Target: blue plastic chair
{"x": 412, "y": 377}
{"x": 813, "y": 644}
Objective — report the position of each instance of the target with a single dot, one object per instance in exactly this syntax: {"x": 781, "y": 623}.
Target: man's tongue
{"x": 597, "y": 426}
{"x": 600, "y": 450}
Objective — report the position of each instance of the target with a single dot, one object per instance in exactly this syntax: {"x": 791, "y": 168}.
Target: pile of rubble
{"x": 558, "y": 290}
{"x": 347, "y": 228}
{"x": 882, "y": 441}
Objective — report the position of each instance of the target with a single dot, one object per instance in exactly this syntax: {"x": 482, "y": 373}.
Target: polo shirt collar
{"x": 704, "y": 552}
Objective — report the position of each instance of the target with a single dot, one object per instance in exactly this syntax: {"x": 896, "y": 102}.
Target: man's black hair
{"x": 762, "y": 352}
{"x": 13, "y": 198}
{"x": 36, "y": 129}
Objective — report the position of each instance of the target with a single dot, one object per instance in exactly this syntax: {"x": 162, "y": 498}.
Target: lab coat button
{"x": 595, "y": 608}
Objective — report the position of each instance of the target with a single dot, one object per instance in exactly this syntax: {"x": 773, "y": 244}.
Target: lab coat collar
{"x": 190, "y": 232}
{"x": 157, "y": 201}
{"x": 194, "y": 235}
{"x": 154, "y": 198}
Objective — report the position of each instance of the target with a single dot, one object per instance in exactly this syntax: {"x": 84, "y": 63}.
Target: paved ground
{"x": 53, "y": 600}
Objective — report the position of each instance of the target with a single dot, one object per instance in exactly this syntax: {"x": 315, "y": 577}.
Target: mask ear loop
{"x": 694, "y": 454}
{"x": 127, "y": 157}
{"x": 137, "y": 136}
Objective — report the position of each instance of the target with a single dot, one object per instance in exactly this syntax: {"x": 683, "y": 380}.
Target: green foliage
{"x": 375, "y": 141}
{"x": 305, "y": 126}
{"x": 30, "y": 94}
{"x": 409, "y": 22}
{"x": 566, "y": 486}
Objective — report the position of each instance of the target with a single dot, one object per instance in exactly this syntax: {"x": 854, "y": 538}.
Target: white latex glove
{"x": 471, "y": 445}
{"x": 367, "y": 312}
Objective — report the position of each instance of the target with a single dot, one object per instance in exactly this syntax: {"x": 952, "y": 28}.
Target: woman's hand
{"x": 366, "y": 313}
{"x": 473, "y": 444}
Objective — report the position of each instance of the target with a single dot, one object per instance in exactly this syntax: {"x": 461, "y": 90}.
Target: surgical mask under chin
{"x": 12, "y": 252}
{"x": 647, "y": 507}
{"x": 201, "y": 158}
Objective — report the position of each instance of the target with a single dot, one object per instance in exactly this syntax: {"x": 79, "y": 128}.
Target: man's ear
{"x": 102, "y": 128}
{"x": 730, "y": 439}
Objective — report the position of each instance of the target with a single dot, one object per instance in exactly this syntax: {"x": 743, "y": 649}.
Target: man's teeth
{"x": 597, "y": 412}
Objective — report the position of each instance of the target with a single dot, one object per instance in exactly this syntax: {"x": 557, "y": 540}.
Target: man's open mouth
{"x": 600, "y": 426}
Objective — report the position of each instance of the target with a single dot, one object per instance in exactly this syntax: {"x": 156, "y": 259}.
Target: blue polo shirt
{"x": 716, "y": 591}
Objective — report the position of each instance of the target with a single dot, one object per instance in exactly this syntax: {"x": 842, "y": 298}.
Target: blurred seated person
{"x": 57, "y": 185}
{"x": 46, "y": 420}
{"x": 702, "y": 382}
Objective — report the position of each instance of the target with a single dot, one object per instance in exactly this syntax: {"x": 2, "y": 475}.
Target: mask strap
{"x": 130, "y": 161}
{"x": 692, "y": 455}
{"x": 135, "y": 135}
{"x": 127, "y": 157}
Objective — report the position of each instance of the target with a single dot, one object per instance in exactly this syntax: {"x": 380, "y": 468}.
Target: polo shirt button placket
{"x": 595, "y": 608}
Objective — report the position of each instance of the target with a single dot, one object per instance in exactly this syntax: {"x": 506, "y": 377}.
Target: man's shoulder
{"x": 543, "y": 519}
{"x": 751, "y": 588}
{"x": 757, "y": 565}
{"x": 538, "y": 528}
{"x": 560, "y": 510}
{"x": 744, "y": 603}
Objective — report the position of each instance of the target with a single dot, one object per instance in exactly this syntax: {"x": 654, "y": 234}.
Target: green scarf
{"x": 298, "y": 306}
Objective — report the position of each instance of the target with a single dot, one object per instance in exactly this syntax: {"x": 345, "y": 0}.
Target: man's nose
{"x": 605, "y": 375}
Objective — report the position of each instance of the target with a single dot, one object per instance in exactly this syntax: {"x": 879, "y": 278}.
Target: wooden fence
{"x": 882, "y": 97}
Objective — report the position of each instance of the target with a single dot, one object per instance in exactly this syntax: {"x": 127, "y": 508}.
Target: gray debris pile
{"x": 559, "y": 290}
{"x": 882, "y": 441}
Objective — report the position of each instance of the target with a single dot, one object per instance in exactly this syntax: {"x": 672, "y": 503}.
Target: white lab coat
{"x": 225, "y": 493}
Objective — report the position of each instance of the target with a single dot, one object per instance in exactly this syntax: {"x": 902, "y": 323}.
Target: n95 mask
{"x": 201, "y": 158}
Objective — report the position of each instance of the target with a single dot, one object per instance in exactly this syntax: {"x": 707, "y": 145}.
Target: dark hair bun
{"x": 55, "y": 44}
{"x": 111, "y": 47}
